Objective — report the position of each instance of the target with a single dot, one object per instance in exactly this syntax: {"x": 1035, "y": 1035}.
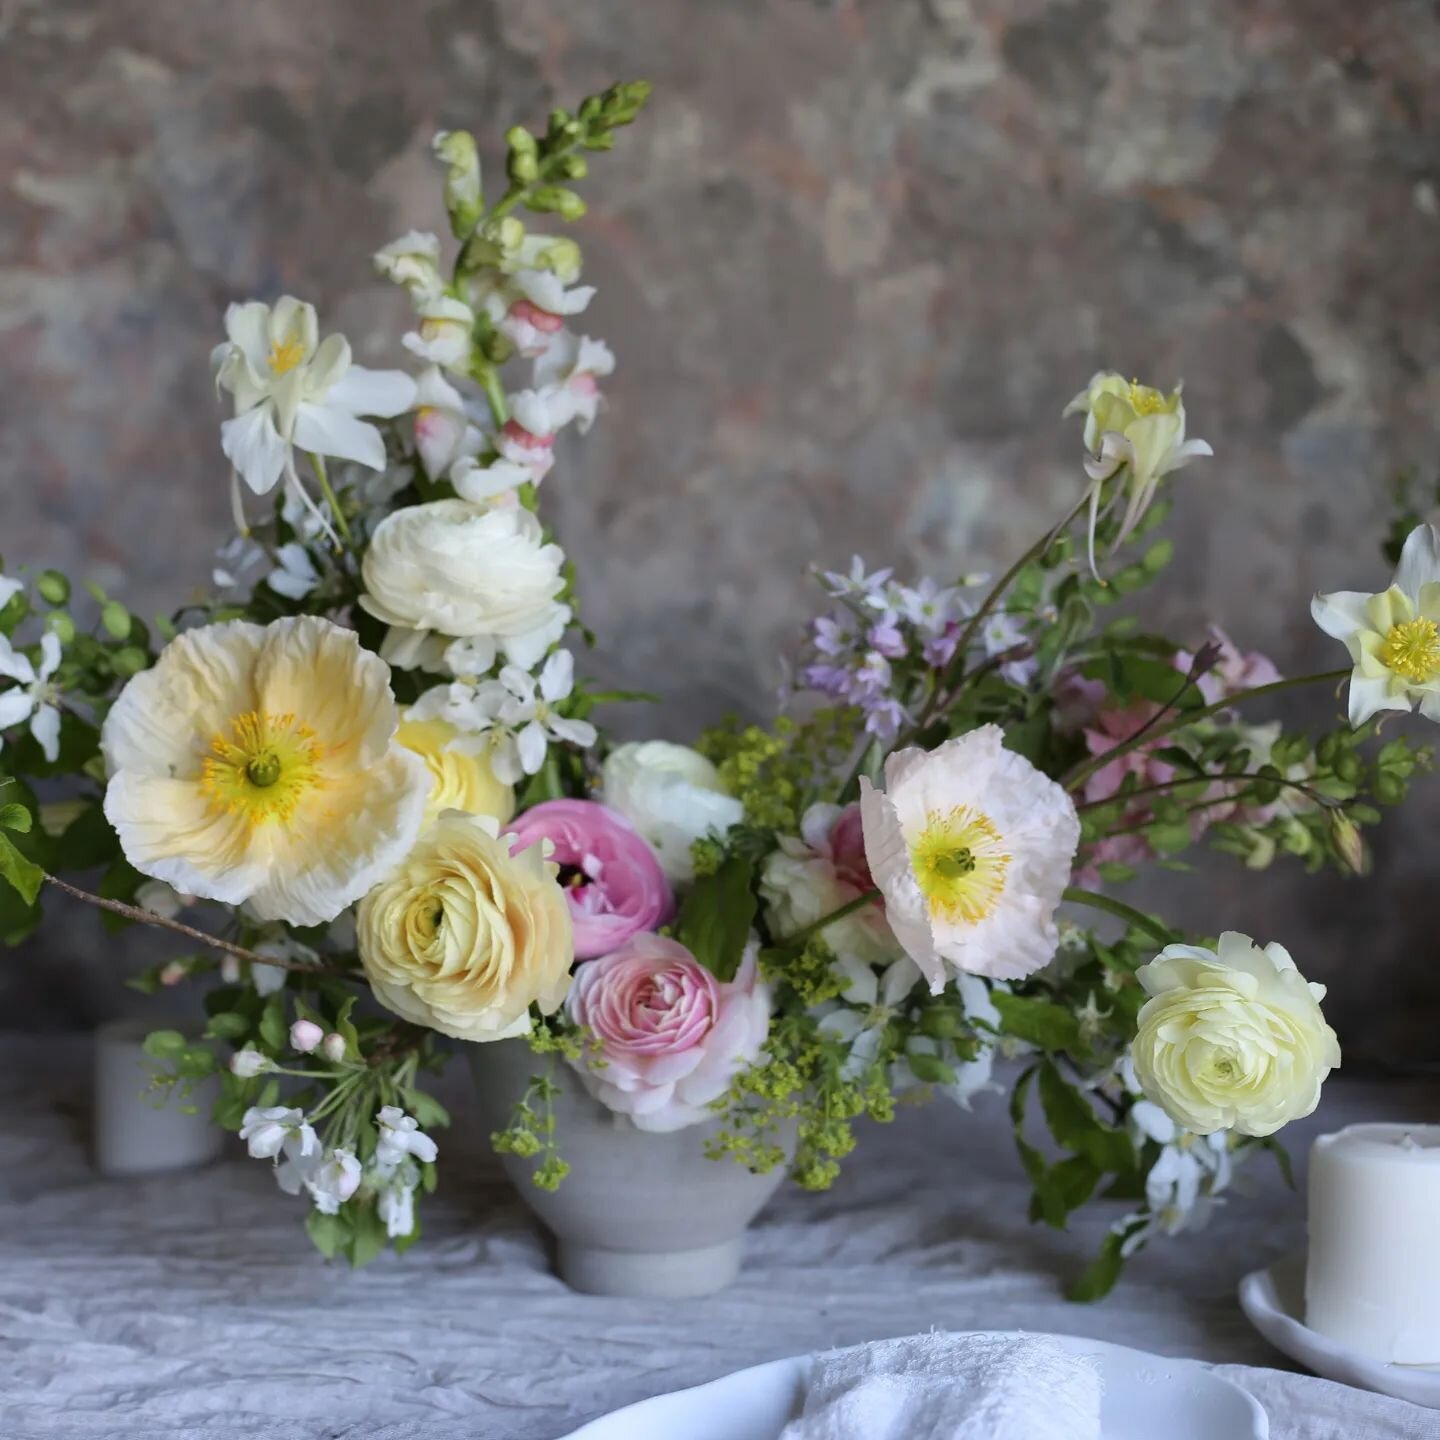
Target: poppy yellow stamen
{"x": 263, "y": 768}
{"x": 1412, "y": 649}
{"x": 960, "y": 862}
{"x": 285, "y": 355}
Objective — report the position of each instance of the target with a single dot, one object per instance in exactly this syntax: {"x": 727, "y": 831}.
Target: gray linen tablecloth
{"x": 192, "y": 1305}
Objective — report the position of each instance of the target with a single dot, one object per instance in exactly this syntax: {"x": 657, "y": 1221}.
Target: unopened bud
{"x": 249, "y": 1062}
{"x": 333, "y": 1048}
{"x": 173, "y": 973}
{"x": 1346, "y": 838}
{"x": 305, "y": 1035}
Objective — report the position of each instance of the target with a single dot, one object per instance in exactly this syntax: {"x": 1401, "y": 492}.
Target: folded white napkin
{"x": 951, "y": 1387}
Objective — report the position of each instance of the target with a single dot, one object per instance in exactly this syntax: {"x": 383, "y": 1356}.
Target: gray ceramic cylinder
{"x": 639, "y": 1214}
{"x": 134, "y": 1133}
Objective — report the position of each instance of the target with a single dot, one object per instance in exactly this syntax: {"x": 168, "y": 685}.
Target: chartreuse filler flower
{"x": 370, "y": 785}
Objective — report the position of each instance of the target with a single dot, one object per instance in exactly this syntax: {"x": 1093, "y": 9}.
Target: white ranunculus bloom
{"x": 1393, "y": 637}
{"x": 464, "y": 571}
{"x": 34, "y": 694}
{"x": 673, "y": 796}
{"x": 293, "y": 389}
{"x": 258, "y": 765}
{"x": 971, "y": 847}
{"x": 1232, "y": 1038}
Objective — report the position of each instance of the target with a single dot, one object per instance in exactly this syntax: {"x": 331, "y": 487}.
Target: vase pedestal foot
{"x": 649, "y": 1275}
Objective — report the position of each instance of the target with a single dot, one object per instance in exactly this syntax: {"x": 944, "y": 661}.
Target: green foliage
{"x": 714, "y": 920}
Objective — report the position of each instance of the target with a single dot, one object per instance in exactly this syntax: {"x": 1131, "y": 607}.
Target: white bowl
{"x": 1145, "y": 1396}
{"x": 1274, "y": 1302}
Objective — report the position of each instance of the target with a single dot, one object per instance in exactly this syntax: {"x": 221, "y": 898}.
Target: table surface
{"x": 192, "y": 1305}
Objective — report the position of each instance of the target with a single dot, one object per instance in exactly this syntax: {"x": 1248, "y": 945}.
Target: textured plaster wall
{"x": 853, "y": 262}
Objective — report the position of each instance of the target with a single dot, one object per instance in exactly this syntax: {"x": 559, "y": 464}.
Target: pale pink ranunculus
{"x": 668, "y": 1037}
{"x": 611, "y": 876}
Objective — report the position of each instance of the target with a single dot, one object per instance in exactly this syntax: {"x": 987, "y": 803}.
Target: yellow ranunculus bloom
{"x": 258, "y": 764}
{"x": 463, "y": 937}
{"x": 1232, "y": 1038}
{"x": 461, "y": 778}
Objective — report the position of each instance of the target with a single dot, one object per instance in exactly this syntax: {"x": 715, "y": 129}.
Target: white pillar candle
{"x": 1372, "y": 1281}
{"x": 135, "y": 1133}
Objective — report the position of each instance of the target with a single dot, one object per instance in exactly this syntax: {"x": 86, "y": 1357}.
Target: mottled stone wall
{"x": 854, "y": 261}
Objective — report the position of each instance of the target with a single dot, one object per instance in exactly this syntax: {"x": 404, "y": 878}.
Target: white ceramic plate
{"x": 1145, "y": 1397}
{"x": 1274, "y": 1302}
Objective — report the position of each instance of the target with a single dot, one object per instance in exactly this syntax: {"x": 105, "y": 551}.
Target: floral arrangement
{"x": 366, "y": 772}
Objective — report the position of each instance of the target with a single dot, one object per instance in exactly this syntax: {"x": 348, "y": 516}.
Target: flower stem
{"x": 848, "y": 908}
{"x": 1123, "y": 797}
{"x": 212, "y": 942}
{"x": 1137, "y": 918}
{"x": 1148, "y": 733}
{"x": 341, "y": 524}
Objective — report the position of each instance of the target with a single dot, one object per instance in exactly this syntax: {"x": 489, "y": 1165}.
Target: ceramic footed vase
{"x": 639, "y": 1214}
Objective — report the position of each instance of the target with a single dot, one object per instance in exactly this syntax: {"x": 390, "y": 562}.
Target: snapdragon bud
{"x": 249, "y": 1062}
{"x": 305, "y": 1035}
{"x": 464, "y": 199}
{"x": 333, "y": 1048}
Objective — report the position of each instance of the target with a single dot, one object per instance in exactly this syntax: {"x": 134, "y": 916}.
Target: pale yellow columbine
{"x": 1142, "y": 429}
{"x": 461, "y": 777}
{"x": 258, "y": 764}
{"x": 971, "y": 847}
{"x": 1232, "y": 1038}
{"x": 1393, "y": 637}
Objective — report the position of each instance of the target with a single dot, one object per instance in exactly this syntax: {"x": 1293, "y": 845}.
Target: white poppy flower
{"x": 34, "y": 695}
{"x": 292, "y": 388}
{"x": 1393, "y": 637}
{"x": 258, "y": 764}
{"x": 576, "y": 364}
{"x": 971, "y": 847}
{"x": 445, "y": 336}
{"x": 530, "y": 715}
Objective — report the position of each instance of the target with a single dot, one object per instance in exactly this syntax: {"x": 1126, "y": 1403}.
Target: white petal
{"x": 558, "y": 676}
{"x": 1419, "y": 560}
{"x": 15, "y": 706}
{"x": 1368, "y": 697}
{"x": 532, "y": 746}
{"x": 49, "y": 654}
{"x": 255, "y": 448}
{"x": 14, "y": 664}
{"x": 373, "y": 392}
{"x": 577, "y": 732}
{"x": 329, "y": 430}
{"x": 45, "y": 727}
{"x": 1341, "y": 613}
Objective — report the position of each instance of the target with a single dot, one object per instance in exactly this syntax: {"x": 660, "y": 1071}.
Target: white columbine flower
{"x": 34, "y": 695}
{"x": 401, "y": 1136}
{"x": 412, "y": 261}
{"x": 1393, "y": 637}
{"x": 971, "y": 847}
{"x": 1131, "y": 425}
{"x": 292, "y": 388}
{"x": 673, "y": 796}
{"x": 576, "y": 364}
{"x": 278, "y": 1130}
{"x": 530, "y": 714}
{"x": 445, "y": 334}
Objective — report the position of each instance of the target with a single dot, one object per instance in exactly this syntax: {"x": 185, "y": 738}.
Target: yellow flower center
{"x": 960, "y": 863}
{"x": 1145, "y": 400}
{"x": 1412, "y": 649}
{"x": 263, "y": 768}
{"x": 285, "y": 355}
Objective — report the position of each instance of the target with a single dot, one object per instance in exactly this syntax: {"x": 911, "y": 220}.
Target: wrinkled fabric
{"x": 193, "y": 1306}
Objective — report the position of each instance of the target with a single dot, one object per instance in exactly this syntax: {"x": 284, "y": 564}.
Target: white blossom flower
{"x": 971, "y": 847}
{"x": 1393, "y": 637}
{"x": 1001, "y": 632}
{"x": 279, "y": 945}
{"x": 249, "y": 1062}
{"x": 277, "y": 1130}
{"x": 162, "y": 899}
{"x": 530, "y": 715}
{"x": 331, "y": 1182}
{"x": 291, "y": 388}
{"x": 295, "y": 576}
{"x": 412, "y": 261}
{"x": 445, "y": 336}
{"x": 874, "y": 1001}
{"x": 401, "y": 1135}
{"x": 395, "y": 1205}
{"x": 34, "y": 695}
{"x": 576, "y": 364}
{"x": 479, "y": 483}
{"x": 974, "y": 1076}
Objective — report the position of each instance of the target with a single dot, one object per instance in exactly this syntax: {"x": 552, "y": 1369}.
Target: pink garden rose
{"x": 669, "y": 1036}
{"x": 611, "y": 876}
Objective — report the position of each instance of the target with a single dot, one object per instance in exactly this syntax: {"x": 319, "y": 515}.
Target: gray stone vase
{"x": 639, "y": 1214}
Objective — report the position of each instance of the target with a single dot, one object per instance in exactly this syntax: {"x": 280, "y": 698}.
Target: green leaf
{"x": 1041, "y": 1022}
{"x": 1100, "y": 1275}
{"x": 273, "y": 1029}
{"x": 368, "y": 1238}
{"x": 328, "y": 1233}
{"x": 228, "y": 1026}
{"x": 427, "y": 1110}
{"x": 116, "y": 619}
{"x": 1158, "y": 556}
{"x": 16, "y": 817}
{"x": 24, "y": 875}
{"x": 930, "y": 1069}
{"x": 89, "y": 840}
{"x": 164, "y": 1044}
{"x": 1075, "y": 1125}
{"x": 714, "y": 922}
{"x": 345, "y": 1027}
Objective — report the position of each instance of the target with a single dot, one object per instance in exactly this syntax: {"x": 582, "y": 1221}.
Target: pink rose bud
{"x": 671, "y": 1037}
{"x": 333, "y": 1048}
{"x": 611, "y": 876}
{"x": 305, "y": 1035}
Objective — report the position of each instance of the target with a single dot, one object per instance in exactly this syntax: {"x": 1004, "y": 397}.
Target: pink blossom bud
{"x": 249, "y": 1062}
{"x": 230, "y": 970}
{"x": 305, "y": 1035}
{"x": 173, "y": 973}
{"x": 333, "y": 1048}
